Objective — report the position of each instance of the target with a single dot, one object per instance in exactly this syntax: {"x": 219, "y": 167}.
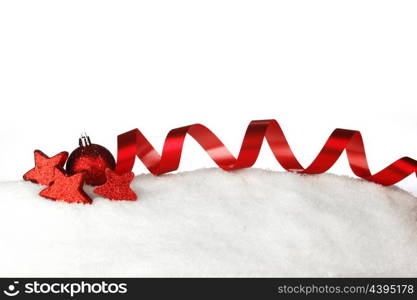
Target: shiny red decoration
{"x": 44, "y": 171}
{"x": 67, "y": 188}
{"x": 93, "y": 160}
{"x": 133, "y": 143}
{"x": 117, "y": 187}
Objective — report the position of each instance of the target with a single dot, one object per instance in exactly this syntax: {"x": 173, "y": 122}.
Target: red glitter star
{"x": 44, "y": 170}
{"x": 67, "y": 188}
{"x": 117, "y": 187}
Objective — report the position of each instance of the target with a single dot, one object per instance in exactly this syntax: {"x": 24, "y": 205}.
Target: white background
{"x": 106, "y": 67}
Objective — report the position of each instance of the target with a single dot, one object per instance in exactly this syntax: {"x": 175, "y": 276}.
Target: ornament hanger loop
{"x": 84, "y": 140}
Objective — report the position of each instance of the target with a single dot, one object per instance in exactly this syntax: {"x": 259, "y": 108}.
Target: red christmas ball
{"x": 91, "y": 159}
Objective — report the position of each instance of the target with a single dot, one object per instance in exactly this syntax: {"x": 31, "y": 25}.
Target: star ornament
{"x": 67, "y": 188}
{"x": 44, "y": 171}
{"x": 117, "y": 187}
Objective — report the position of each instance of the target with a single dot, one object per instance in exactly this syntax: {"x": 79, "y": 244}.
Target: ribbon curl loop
{"x": 134, "y": 144}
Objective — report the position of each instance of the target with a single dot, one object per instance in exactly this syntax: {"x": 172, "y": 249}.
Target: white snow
{"x": 214, "y": 223}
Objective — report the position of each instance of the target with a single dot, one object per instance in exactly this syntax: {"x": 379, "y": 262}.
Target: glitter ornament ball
{"x": 92, "y": 159}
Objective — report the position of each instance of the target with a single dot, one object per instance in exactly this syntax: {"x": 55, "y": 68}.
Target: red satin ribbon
{"x": 133, "y": 143}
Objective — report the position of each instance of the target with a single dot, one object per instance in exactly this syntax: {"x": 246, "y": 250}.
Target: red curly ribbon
{"x": 133, "y": 143}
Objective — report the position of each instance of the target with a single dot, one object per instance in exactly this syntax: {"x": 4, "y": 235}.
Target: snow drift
{"x": 214, "y": 223}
